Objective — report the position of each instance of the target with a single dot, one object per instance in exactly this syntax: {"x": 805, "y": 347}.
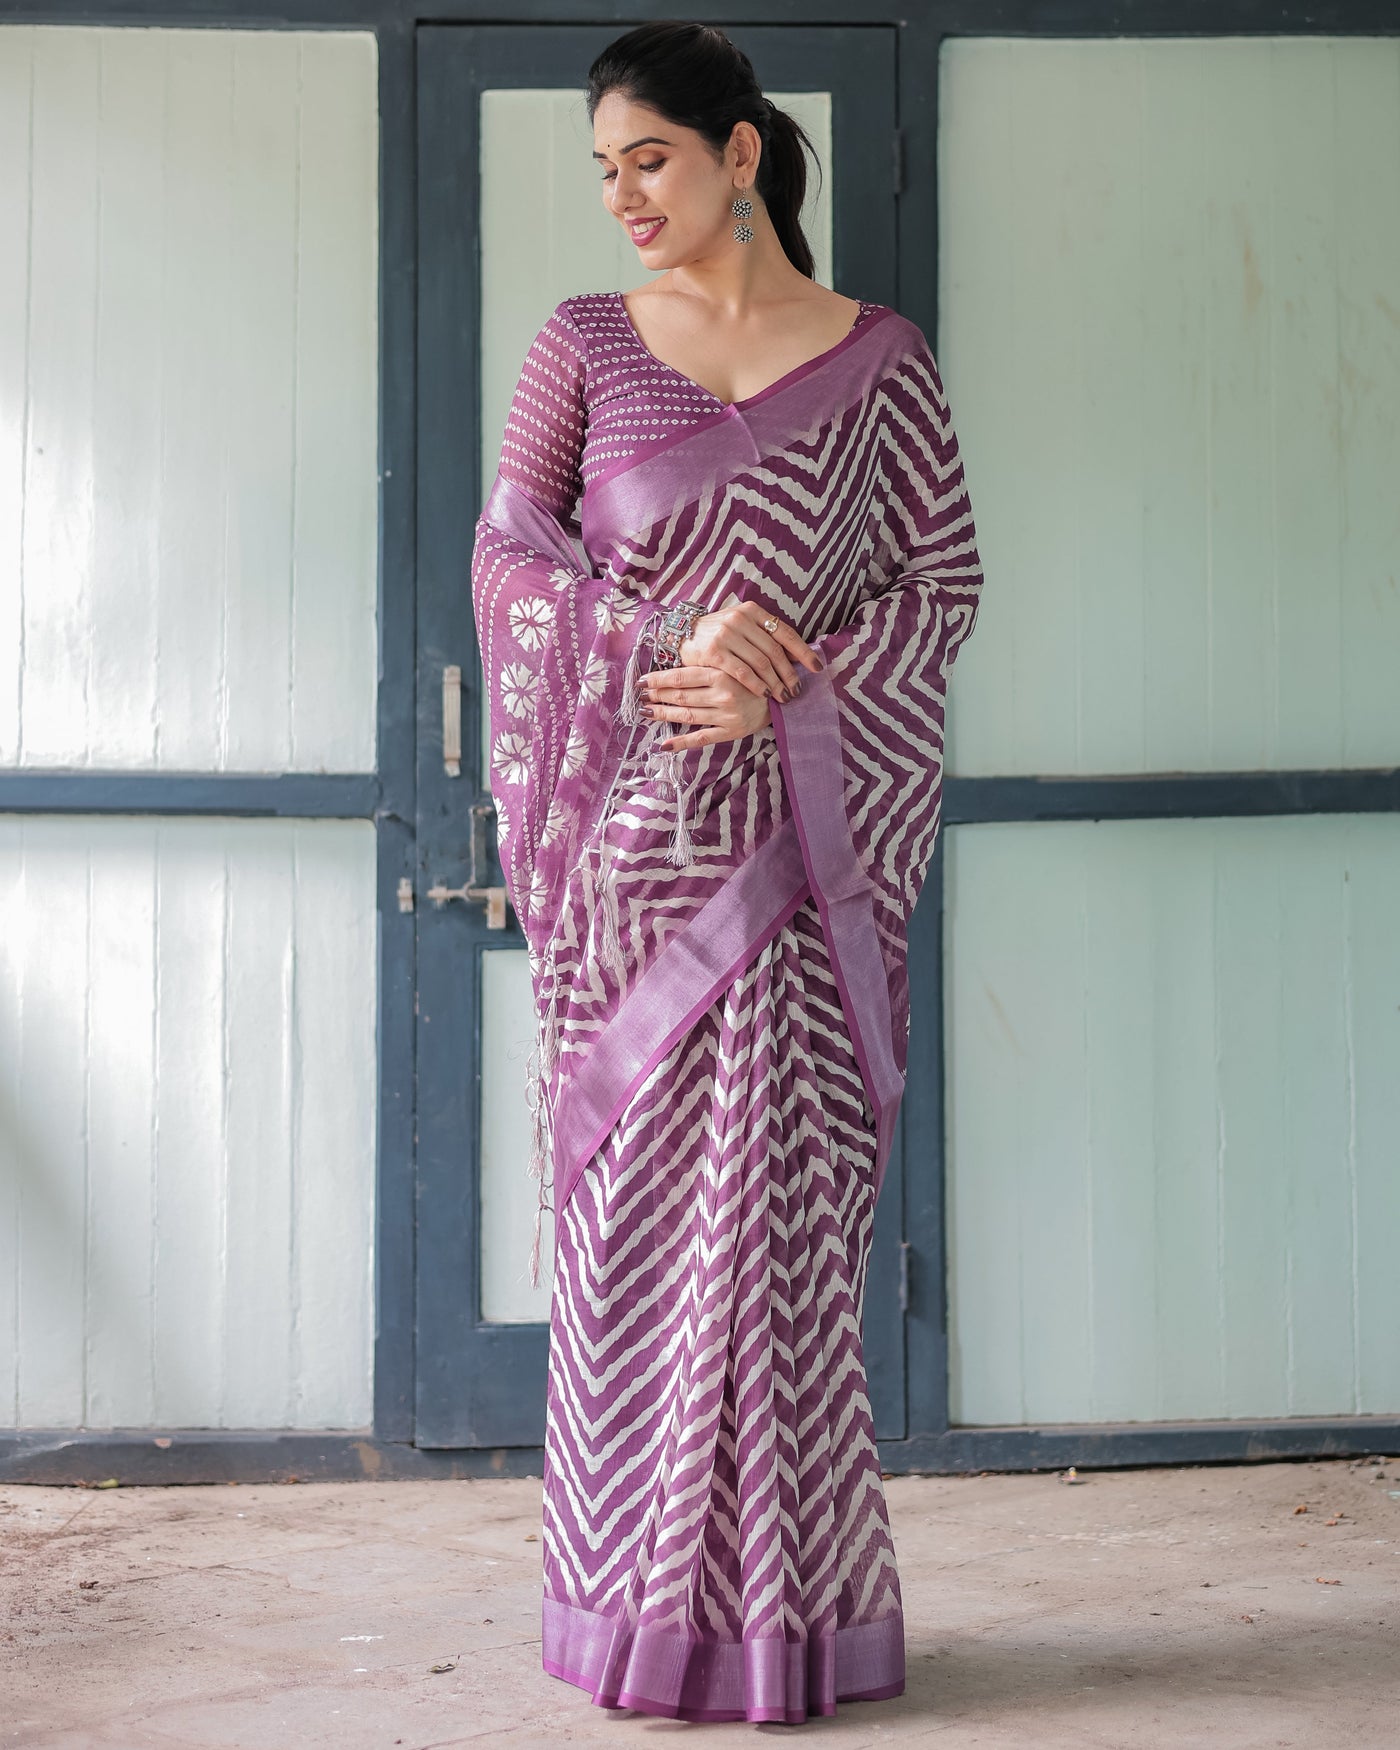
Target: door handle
{"x": 472, "y": 889}
{"x": 452, "y": 720}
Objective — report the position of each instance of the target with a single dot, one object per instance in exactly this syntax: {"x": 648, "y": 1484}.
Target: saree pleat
{"x": 718, "y": 957}
{"x": 708, "y": 1418}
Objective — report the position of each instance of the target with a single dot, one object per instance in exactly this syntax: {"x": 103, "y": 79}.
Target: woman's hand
{"x": 729, "y": 667}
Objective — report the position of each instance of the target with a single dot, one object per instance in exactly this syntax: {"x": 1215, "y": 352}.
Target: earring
{"x": 742, "y": 210}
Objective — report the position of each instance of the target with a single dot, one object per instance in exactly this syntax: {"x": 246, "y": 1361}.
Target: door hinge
{"x": 904, "y": 1275}
{"x": 898, "y": 145}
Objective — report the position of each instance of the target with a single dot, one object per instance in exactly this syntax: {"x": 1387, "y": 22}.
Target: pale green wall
{"x": 188, "y": 399}
{"x": 1170, "y": 333}
{"x": 188, "y": 573}
{"x": 1174, "y": 1105}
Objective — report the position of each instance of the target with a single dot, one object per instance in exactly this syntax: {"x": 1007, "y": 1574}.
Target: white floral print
{"x": 518, "y": 688}
{"x": 614, "y": 610}
{"x": 559, "y": 815}
{"x": 511, "y": 759}
{"x": 575, "y": 752}
{"x": 530, "y": 619}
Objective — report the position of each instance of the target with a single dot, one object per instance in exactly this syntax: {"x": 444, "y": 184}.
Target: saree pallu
{"x": 717, "y": 940}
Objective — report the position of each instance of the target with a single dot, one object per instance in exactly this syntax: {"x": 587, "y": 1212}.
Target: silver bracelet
{"x": 676, "y": 625}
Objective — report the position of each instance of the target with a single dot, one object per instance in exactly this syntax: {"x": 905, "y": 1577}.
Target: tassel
{"x": 549, "y": 1056}
{"x": 612, "y": 940}
{"x": 543, "y": 1059}
{"x": 535, "y": 1248}
{"x": 535, "y": 1096}
{"x": 681, "y": 848}
{"x": 666, "y": 765}
{"x": 586, "y": 883}
{"x": 630, "y": 709}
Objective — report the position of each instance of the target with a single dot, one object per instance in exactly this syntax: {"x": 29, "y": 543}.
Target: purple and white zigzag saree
{"x": 717, "y": 943}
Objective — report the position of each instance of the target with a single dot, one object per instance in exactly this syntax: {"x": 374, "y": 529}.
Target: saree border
{"x": 660, "y": 1672}
{"x": 516, "y": 512}
{"x": 723, "y": 411}
{"x": 808, "y": 731}
{"x": 740, "y": 917}
{"x": 642, "y": 489}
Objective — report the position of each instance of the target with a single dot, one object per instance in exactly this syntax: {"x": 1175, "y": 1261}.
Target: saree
{"x": 717, "y": 941}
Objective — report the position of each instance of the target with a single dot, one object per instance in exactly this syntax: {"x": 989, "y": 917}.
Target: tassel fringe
{"x": 541, "y": 1065}
{"x": 611, "y": 948}
{"x": 631, "y": 707}
{"x": 600, "y": 897}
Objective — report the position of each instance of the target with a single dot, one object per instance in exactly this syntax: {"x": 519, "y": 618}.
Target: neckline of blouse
{"x": 787, "y": 377}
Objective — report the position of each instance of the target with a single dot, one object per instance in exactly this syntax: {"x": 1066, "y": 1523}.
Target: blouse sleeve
{"x": 862, "y": 742}
{"x": 555, "y": 638}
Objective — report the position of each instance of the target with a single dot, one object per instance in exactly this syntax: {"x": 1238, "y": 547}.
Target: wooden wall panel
{"x": 187, "y": 1029}
{"x": 1170, "y": 333}
{"x": 1173, "y": 1094}
{"x": 188, "y": 398}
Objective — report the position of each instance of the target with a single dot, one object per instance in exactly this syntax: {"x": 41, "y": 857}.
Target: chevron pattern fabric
{"x": 716, "y": 1538}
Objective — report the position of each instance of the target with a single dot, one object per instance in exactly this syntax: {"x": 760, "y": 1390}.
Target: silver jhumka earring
{"x": 743, "y": 209}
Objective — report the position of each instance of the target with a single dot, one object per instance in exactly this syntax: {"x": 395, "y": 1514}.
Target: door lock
{"x": 495, "y": 897}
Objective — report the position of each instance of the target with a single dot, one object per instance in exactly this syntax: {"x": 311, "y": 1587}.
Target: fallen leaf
{"x": 448, "y": 1667}
{"x": 1302, "y": 1508}
{"x": 1322, "y": 1582}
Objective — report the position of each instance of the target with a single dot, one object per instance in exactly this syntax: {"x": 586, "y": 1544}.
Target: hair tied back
{"x": 695, "y": 76}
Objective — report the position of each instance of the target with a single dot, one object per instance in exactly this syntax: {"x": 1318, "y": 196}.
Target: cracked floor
{"x": 1158, "y": 1607}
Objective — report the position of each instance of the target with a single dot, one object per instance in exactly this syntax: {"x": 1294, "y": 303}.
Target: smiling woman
{"x": 717, "y": 763}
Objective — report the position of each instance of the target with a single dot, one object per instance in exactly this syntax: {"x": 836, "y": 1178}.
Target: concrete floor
{"x": 1136, "y": 1608}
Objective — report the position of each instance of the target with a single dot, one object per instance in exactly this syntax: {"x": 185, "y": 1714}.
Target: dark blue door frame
{"x": 408, "y": 718}
{"x": 481, "y": 1383}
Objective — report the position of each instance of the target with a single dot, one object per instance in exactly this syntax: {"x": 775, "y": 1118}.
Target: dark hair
{"x": 695, "y": 76}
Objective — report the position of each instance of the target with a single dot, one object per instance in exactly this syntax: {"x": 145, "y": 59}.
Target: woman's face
{"x": 662, "y": 181}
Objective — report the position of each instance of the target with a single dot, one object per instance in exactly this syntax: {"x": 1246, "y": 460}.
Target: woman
{"x": 716, "y": 748}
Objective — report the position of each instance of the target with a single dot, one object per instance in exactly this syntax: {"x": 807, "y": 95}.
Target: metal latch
{"x": 495, "y": 897}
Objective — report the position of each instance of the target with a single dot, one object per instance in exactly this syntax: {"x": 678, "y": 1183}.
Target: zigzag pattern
{"x": 710, "y": 1463}
{"x": 711, "y": 1472}
{"x": 819, "y": 531}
